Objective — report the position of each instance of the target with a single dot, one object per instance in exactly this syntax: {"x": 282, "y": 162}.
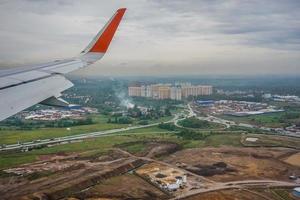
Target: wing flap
{"x": 18, "y": 98}
{"x": 27, "y": 76}
{"x": 5, "y": 82}
{"x": 65, "y": 67}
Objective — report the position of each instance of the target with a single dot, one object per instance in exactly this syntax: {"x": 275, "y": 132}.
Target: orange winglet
{"x": 104, "y": 40}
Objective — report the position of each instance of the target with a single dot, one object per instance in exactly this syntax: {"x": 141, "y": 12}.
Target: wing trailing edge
{"x": 21, "y": 88}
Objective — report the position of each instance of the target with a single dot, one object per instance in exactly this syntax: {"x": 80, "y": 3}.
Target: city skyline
{"x": 157, "y": 38}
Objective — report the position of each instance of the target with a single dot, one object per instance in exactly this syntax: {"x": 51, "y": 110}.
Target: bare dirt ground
{"x": 127, "y": 186}
{"x": 231, "y": 163}
{"x": 240, "y": 195}
{"x": 71, "y": 175}
{"x": 293, "y": 159}
{"x": 92, "y": 175}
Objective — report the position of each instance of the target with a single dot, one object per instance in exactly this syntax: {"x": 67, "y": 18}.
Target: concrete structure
{"x": 251, "y": 139}
{"x": 165, "y": 177}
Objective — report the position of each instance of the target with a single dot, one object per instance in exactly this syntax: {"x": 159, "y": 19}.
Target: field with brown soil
{"x": 127, "y": 186}
{"x": 232, "y": 163}
{"x": 293, "y": 159}
{"x": 243, "y": 195}
{"x": 72, "y": 175}
{"x": 226, "y": 195}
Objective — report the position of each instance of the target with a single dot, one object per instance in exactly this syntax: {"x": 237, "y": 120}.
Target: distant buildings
{"x": 236, "y": 108}
{"x": 74, "y": 112}
{"x": 135, "y": 91}
{"x": 168, "y": 91}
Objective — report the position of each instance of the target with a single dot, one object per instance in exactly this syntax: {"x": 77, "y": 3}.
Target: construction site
{"x": 210, "y": 173}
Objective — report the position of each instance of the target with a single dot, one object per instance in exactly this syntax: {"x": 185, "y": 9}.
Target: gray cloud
{"x": 157, "y": 37}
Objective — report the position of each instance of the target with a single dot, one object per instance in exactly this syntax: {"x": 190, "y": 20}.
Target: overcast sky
{"x": 157, "y": 37}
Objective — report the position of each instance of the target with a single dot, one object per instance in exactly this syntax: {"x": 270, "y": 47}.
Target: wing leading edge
{"x": 24, "y": 87}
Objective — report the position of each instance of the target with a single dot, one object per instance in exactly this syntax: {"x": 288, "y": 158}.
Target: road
{"x": 175, "y": 120}
{"x": 207, "y": 184}
{"x": 66, "y": 139}
{"x": 228, "y": 123}
{"x": 69, "y": 138}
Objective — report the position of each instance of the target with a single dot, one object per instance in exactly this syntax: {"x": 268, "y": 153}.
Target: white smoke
{"x": 125, "y": 102}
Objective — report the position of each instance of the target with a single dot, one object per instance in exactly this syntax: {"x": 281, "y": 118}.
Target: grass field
{"x": 195, "y": 123}
{"x": 100, "y": 124}
{"x": 101, "y": 144}
{"x": 270, "y": 120}
{"x": 271, "y": 141}
{"x": 14, "y": 136}
{"x": 228, "y": 139}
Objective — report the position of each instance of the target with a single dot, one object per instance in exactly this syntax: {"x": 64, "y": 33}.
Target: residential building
{"x": 176, "y": 93}
{"x": 134, "y": 91}
{"x": 167, "y": 91}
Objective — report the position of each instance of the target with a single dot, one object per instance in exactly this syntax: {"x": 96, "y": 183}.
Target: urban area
{"x": 165, "y": 139}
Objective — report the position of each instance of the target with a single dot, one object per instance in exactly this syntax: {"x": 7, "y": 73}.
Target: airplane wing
{"x": 24, "y": 87}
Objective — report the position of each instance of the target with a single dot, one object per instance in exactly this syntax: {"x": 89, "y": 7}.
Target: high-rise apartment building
{"x": 176, "y": 93}
{"x": 167, "y": 91}
{"x": 134, "y": 91}
{"x": 164, "y": 92}
{"x": 196, "y": 90}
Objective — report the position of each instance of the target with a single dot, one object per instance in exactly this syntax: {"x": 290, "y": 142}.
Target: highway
{"x": 66, "y": 139}
{"x": 175, "y": 120}
{"x": 33, "y": 144}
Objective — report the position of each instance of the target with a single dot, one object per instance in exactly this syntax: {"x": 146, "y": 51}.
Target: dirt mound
{"x": 244, "y": 163}
{"x": 218, "y": 168}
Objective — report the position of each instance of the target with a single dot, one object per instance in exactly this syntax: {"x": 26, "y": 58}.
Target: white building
{"x": 176, "y": 93}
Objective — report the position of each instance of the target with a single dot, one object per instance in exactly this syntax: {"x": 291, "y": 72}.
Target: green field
{"x": 101, "y": 144}
{"x": 195, "y": 123}
{"x": 11, "y": 136}
{"x": 273, "y": 120}
{"x": 271, "y": 141}
{"x": 14, "y": 136}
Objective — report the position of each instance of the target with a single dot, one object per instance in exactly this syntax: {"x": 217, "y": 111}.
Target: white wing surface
{"x": 24, "y": 87}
